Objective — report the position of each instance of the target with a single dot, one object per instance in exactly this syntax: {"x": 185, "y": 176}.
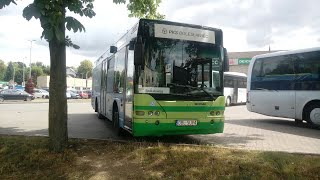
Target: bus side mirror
{"x": 225, "y": 60}
{"x": 131, "y": 45}
{"x": 138, "y": 52}
{"x": 113, "y": 49}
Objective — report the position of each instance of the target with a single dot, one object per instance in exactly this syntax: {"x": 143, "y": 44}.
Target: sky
{"x": 248, "y": 25}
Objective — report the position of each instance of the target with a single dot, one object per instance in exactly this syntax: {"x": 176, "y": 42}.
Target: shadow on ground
{"x": 19, "y": 131}
{"x": 287, "y": 126}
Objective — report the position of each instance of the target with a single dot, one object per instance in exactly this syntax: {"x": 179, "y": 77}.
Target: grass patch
{"x": 29, "y": 158}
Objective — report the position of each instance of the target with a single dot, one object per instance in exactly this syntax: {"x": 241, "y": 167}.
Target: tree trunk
{"x": 58, "y": 110}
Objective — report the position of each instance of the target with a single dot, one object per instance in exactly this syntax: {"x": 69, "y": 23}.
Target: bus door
{"x": 234, "y": 98}
{"x": 242, "y": 91}
{"x": 103, "y": 89}
{"x": 128, "y": 107}
{"x": 110, "y": 85}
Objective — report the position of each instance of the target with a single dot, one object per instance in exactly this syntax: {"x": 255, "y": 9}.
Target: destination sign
{"x": 184, "y": 33}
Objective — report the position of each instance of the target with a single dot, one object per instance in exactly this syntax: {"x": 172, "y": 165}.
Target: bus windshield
{"x": 180, "y": 69}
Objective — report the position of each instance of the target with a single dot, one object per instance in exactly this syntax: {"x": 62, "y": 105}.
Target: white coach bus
{"x": 286, "y": 84}
{"x": 235, "y": 85}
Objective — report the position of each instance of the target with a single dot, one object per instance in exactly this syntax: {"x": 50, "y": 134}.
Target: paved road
{"x": 243, "y": 129}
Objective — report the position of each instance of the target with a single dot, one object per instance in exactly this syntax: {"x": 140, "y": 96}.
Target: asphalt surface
{"x": 243, "y": 129}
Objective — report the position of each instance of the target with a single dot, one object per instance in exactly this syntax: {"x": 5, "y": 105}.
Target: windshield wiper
{"x": 262, "y": 89}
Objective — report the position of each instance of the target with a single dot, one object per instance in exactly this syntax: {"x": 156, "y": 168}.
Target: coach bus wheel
{"x": 313, "y": 115}
{"x": 1, "y": 99}
{"x": 228, "y": 101}
{"x": 115, "y": 120}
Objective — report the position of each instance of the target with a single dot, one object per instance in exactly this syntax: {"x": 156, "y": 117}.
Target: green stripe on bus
{"x": 180, "y": 108}
{"x": 150, "y": 129}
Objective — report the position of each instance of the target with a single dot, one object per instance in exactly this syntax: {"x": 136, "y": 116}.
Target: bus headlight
{"x": 140, "y": 113}
{"x": 157, "y": 113}
{"x": 150, "y": 113}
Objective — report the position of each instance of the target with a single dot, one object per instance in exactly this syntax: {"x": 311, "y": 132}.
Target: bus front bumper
{"x": 154, "y": 127}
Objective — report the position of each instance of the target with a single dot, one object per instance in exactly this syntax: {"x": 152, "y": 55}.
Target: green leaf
{"x": 144, "y": 9}
{"x": 28, "y": 12}
{"x": 59, "y": 35}
{"x": 4, "y": 3}
{"x": 49, "y": 34}
{"x": 76, "y": 46}
{"x": 74, "y": 24}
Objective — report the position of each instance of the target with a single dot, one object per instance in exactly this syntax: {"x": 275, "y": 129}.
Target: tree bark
{"x": 58, "y": 110}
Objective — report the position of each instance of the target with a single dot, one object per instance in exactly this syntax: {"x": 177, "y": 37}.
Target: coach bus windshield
{"x": 179, "y": 69}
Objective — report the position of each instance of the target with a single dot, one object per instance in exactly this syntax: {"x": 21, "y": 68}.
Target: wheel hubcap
{"x": 315, "y": 116}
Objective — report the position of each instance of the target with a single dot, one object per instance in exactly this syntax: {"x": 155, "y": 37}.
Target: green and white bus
{"x": 286, "y": 84}
{"x": 157, "y": 80}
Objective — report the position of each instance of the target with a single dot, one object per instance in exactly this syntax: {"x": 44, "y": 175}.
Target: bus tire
{"x": 115, "y": 120}
{"x": 312, "y": 114}
{"x": 96, "y": 109}
{"x": 96, "y": 106}
{"x": 100, "y": 116}
{"x": 228, "y": 101}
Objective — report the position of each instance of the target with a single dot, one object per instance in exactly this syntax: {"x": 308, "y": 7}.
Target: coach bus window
{"x": 308, "y": 72}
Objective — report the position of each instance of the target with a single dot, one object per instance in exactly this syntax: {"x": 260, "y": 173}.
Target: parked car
{"x": 68, "y": 94}
{"x": 89, "y": 92}
{"x": 40, "y": 93}
{"x": 83, "y": 94}
{"x": 74, "y": 95}
{"x": 13, "y": 94}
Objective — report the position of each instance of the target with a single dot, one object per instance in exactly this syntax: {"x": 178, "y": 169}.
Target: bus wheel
{"x": 96, "y": 109}
{"x": 313, "y": 115}
{"x": 115, "y": 120}
{"x": 95, "y": 106}
{"x": 228, "y": 101}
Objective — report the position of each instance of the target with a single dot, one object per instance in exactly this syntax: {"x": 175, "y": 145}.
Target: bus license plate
{"x": 186, "y": 122}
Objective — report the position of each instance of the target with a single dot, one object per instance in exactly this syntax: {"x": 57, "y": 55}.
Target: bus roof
{"x": 179, "y": 24}
{"x": 280, "y": 53}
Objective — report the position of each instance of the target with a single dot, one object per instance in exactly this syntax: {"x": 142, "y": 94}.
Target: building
{"x": 71, "y": 72}
{"x": 239, "y": 61}
{"x": 72, "y": 83}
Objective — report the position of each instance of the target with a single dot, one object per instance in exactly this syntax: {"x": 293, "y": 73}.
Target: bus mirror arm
{"x": 138, "y": 52}
{"x": 131, "y": 44}
{"x": 225, "y": 60}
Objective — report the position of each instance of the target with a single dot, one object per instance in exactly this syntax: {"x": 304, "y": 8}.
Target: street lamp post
{"x": 23, "y": 69}
{"x": 14, "y": 73}
{"x": 87, "y": 79}
{"x": 30, "y": 56}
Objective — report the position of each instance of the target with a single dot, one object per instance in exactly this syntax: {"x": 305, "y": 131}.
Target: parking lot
{"x": 243, "y": 129}
{"x": 252, "y": 131}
